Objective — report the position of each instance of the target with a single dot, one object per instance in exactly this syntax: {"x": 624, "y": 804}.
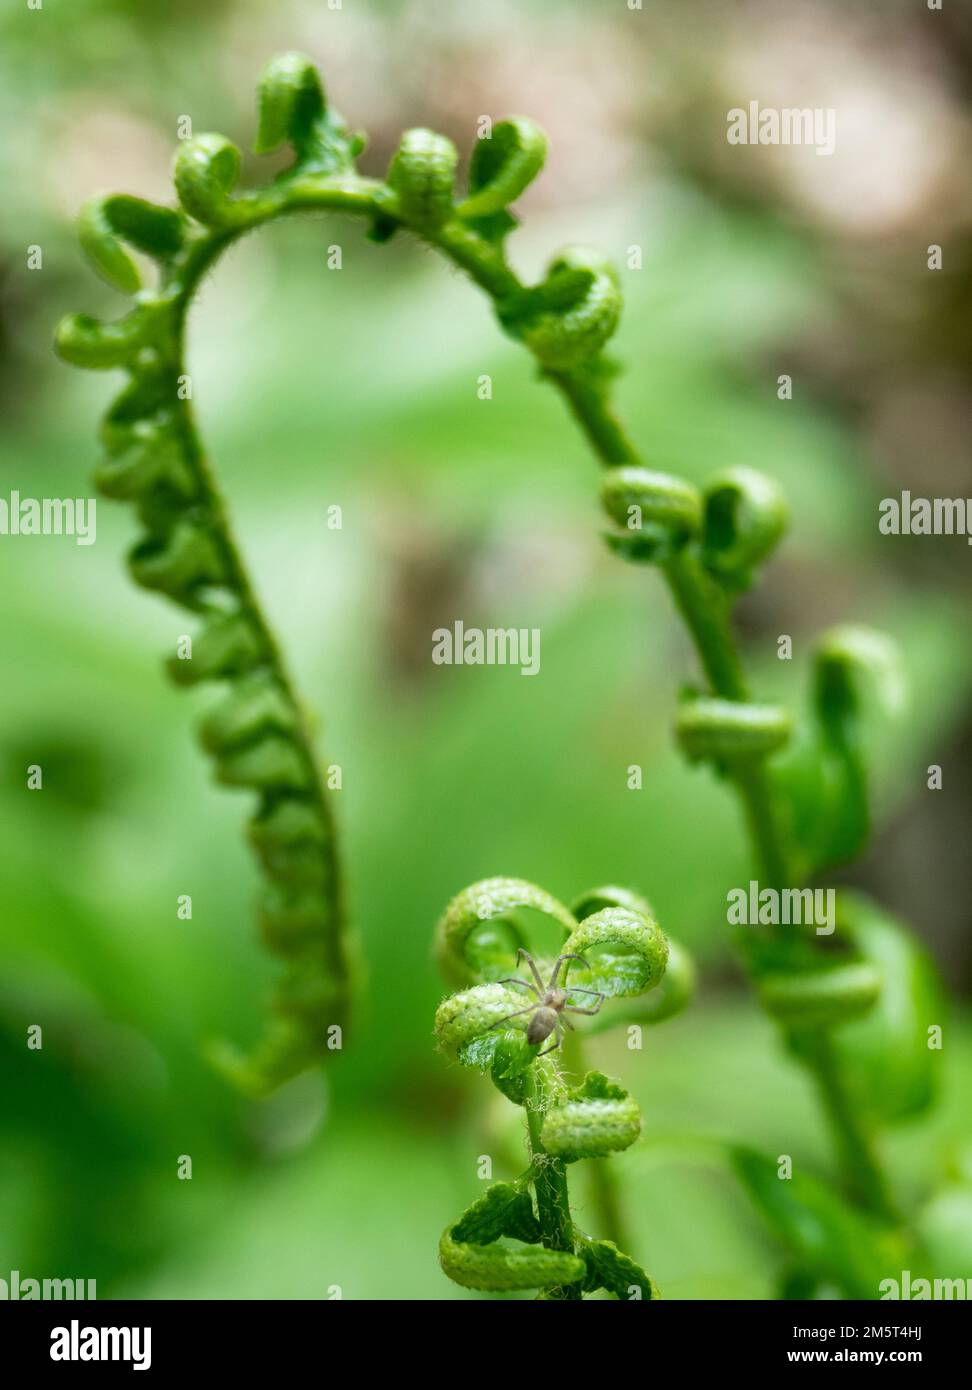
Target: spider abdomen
{"x": 542, "y": 1024}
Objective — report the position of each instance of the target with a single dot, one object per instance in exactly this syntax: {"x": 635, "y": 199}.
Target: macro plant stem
{"x": 549, "y": 1182}
{"x": 864, "y": 1176}
{"x": 703, "y": 608}
{"x": 483, "y": 262}
{"x": 596, "y": 418}
{"x": 258, "y": 735}
{"x": 221, "y": 529}
{"x": 600, "y": 1172}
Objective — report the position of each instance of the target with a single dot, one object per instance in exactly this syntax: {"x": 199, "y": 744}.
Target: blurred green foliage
{"x": 358, "y": 387}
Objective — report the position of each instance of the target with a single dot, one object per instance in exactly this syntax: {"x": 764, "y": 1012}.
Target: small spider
{"x": 551, "y": 1009}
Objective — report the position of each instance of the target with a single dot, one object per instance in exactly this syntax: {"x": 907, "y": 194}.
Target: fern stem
{"x": 600, "y": 1173}
{"x": 703, "y": 609}
{"x": 596, "y": 418}
{"x": 549, "y": 1184}
{"x": 864, "y": 1177}
{"x": 334, "y": 938}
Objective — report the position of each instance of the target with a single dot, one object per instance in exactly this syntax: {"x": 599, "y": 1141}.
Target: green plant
{"x": 854, "y": 1011}
{"x": 623, "y": 955}
{"x": 806, "y": 805}
{"x": 258, "y": 734}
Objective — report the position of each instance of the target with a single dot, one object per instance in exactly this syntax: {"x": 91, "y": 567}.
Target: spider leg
{"x": 556, "y": 1042}
{"x": 597, "y": 1007}
{"x": 519, "y": 1013}
{"x": 515, "y": 980}
{"x": 558, "y": 963}
{"x": 533, "y": 968}
{"x": 567, "y": 1023}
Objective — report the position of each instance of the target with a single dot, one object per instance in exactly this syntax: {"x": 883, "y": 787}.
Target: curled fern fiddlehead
{"x": 470, "y": 1253}
{"x": 613, "y": 949}
{"x": 745, "y": 516}
{"x": 502, "y": 166}
{"x": 155, "y": 460}
{"x": 665, "y": 999}
{"x": 856, "y": 677}
{"x": 728, "y": 731}
{"x": 256, "y": 734}
{"x": 566, "y": 320}
{"x": 422, "y": 175}
{"x": 658, "y": 513}
{"x": 292, "y": 108}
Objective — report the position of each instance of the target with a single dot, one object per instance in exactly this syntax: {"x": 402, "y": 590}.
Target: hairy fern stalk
{"x": 854, "y": 1010}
